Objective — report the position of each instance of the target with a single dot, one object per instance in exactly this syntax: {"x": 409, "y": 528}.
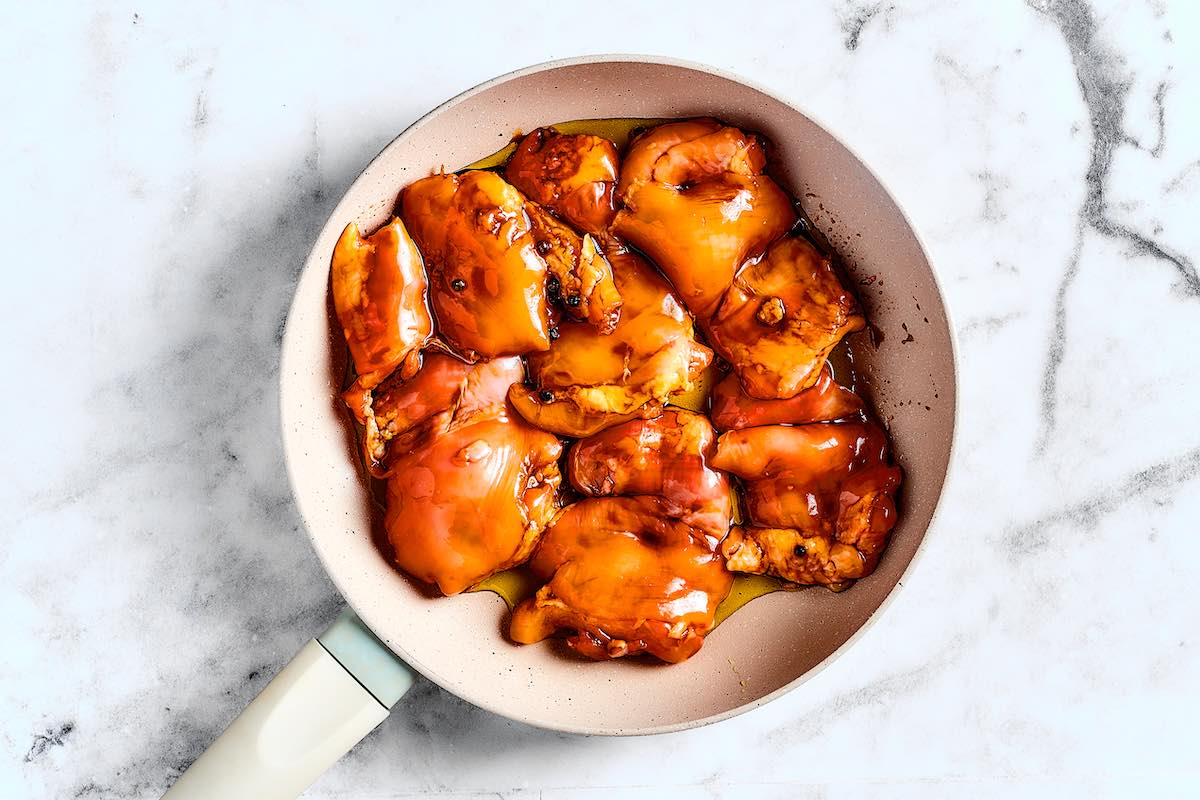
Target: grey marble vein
{"x": 1104, "y": 85}
{"x": 1035, "y": 536}
{"x": 855, "y": 18}
{"x": 987, "y": 325}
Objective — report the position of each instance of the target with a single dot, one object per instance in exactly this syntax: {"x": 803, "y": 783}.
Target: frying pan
{"x": 344, "y": 682}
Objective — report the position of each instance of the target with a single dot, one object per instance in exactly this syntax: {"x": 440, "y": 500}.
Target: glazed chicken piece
{"x": 446, "y": 392}
{"x": 471, "y": 485}
{"x": 783, "y": 315}
{"x": 666, "y": 458}
{"x": 574, "y": 175}
{"x": 487, "y": 280}
{"x": 625, "y": 580}
{"x": 379, "y": 293}
{"x": 824, "y": 401}
{"x": 635, "y": 567}
{"x": 585, "y": 382}
{"x": 472, "y": 500}
{"x": 819, "y": 500}
{"x": 580, "y": 278}
{"x": 698, "y": 203}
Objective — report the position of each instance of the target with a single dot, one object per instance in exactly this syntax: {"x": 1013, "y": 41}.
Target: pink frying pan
{"x": 344, "y": 682}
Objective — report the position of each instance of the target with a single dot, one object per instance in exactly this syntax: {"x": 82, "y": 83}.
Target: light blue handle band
{"x": 369, "y": 660}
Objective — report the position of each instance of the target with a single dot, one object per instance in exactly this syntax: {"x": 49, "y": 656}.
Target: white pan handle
{"x": 332, "y": 694}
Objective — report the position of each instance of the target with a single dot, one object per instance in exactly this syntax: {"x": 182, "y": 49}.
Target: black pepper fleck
{"x": 542, "y": 247}
{"x": 800, "y": 551}
{"x": 554, "y": 334}
{"x": 546, "y": 395}
{"x": 574, "y": 300}
{"x": 458, "y": 284}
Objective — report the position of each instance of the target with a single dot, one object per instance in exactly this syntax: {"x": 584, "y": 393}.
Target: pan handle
{"x": 332, "y": 694}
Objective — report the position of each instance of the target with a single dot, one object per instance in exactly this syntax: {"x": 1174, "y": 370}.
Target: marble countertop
{"x": 165, "y": 173}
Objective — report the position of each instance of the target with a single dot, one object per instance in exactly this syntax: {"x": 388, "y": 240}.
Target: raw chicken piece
{"x": 642, "y": 573}
{"x": 698, "y": 203}
{"x": 585, "y": 382}
{"x": 472, "y": 500}
{"x": 819, "y": 500}
{"x": 488, "y": 283}
{"x": 783, "y": 315}
{"x": 824, "y": 401}
{"x": 445, "y": 393}
{"x": 572, "y": 174}
{"x": 379, "y": 294}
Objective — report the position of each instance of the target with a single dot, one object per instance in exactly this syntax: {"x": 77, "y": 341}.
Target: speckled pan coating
{"x": 769, "y": 646}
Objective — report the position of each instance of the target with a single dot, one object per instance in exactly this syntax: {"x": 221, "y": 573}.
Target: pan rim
{"x": 483, "y": 699}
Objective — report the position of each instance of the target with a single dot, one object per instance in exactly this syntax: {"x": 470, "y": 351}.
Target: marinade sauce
{"x": 514, "y": 585}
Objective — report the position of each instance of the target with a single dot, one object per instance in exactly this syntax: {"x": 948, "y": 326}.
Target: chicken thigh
{"x": 780, "y": 319}
{"x": 472, "y": 500}
{"x": 697, "y": 201}
{"x": 379, "y": 288}
{"x": 623, "y": 579}
{"x": 470, "y": 484}
{"x": 666, "y": 458}
{"x": 487, "y": 280}
{"x": 585, "y": 382}
{"x": 635, "y": 567}
{"x": 574, "y": 175}
{"x": 819, "y": 500}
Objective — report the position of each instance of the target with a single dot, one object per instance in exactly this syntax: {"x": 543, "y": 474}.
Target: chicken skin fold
{"x": 574, "y": 175}
{"x": 820, "y": 500}
{"x": 635, "y": 567}
{"x": 378, "y": 285}
{"x": 487, "y": 280}
{"x": 824, "y": 401}
{"x": 446, "y": 392}
{"x": 585, "y": 382}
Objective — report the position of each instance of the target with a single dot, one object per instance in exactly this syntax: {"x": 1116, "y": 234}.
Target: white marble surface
{"x": 165, "y": 172}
